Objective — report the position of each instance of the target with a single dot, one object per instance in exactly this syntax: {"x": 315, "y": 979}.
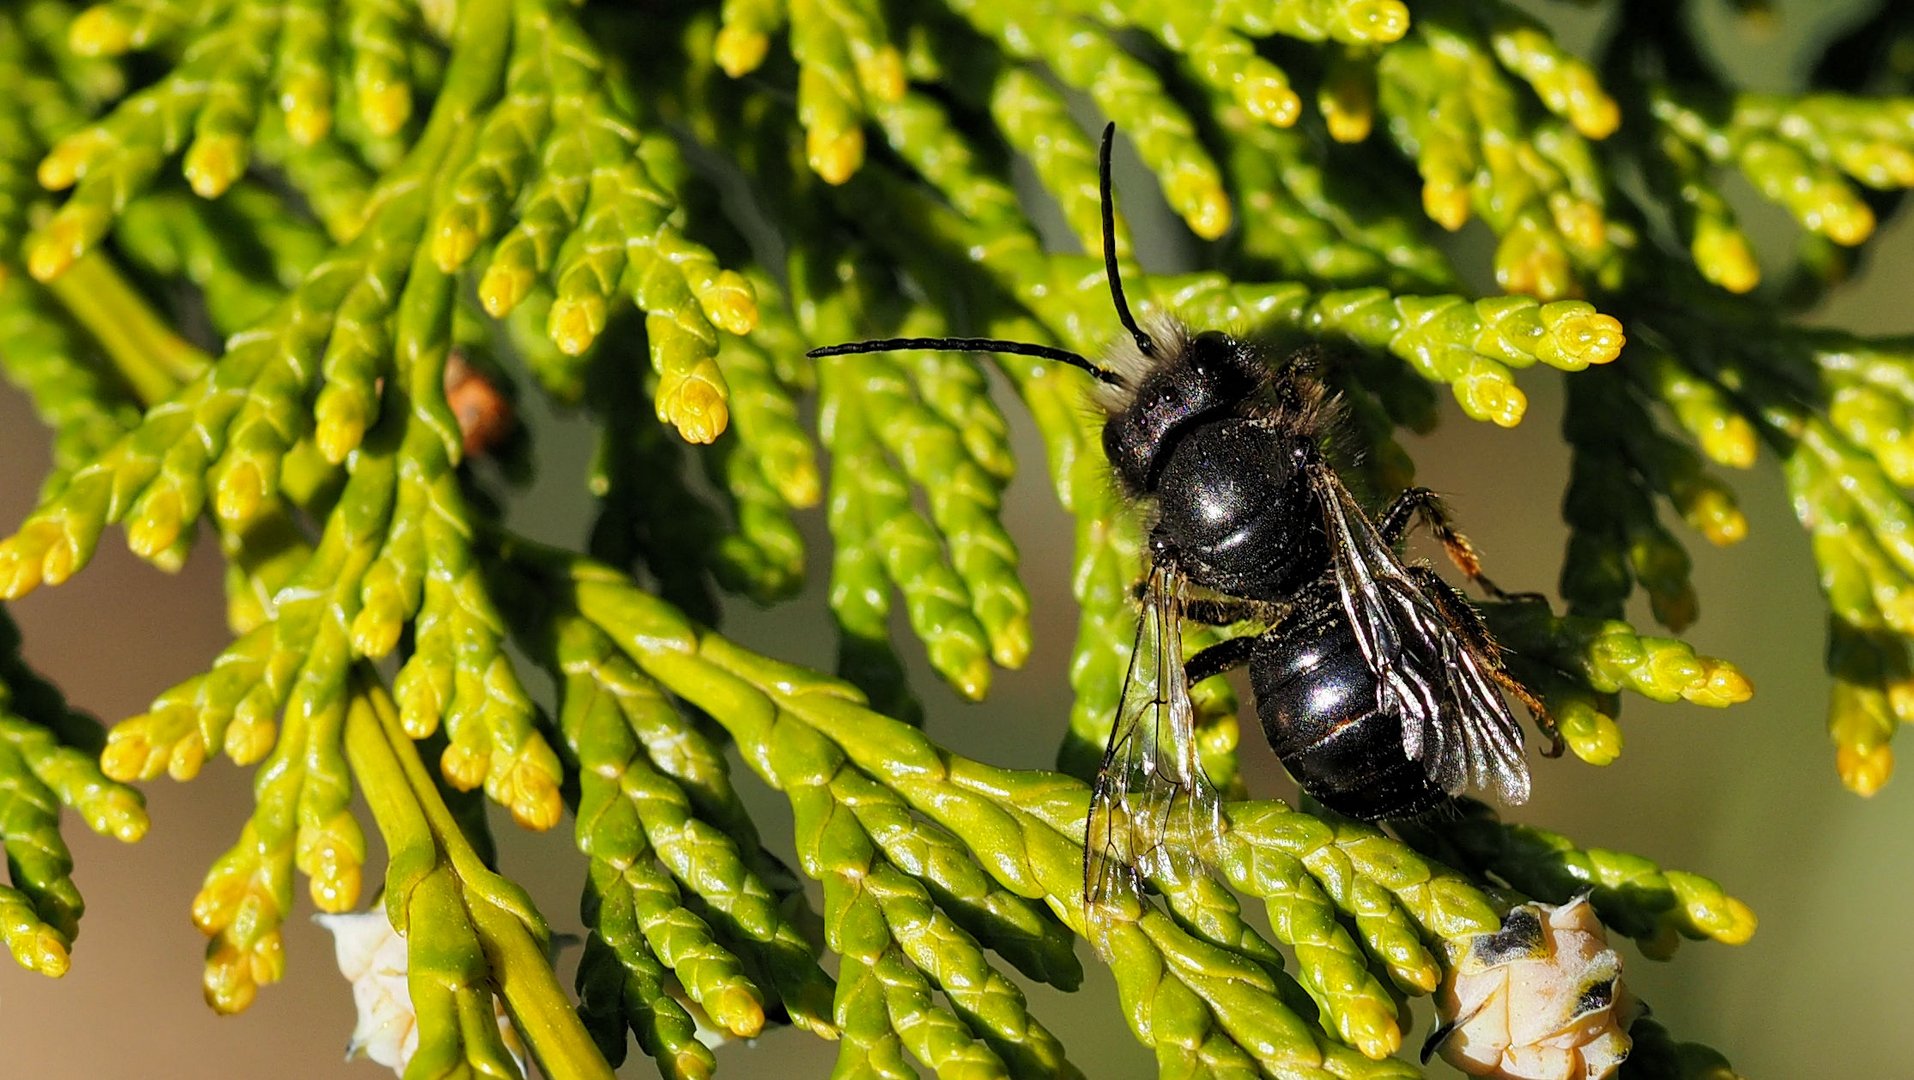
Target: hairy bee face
{"x": 1191, "y": 379}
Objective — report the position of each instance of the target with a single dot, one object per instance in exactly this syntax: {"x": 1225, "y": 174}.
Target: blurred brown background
{"x": 1747, "y": 796}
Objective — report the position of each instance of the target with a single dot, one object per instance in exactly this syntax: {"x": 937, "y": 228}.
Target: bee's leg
{"x": 1426, "y": 504}
{"x": 1218, "y": 658}
{"x": 1468, "y": 625}
{"x": 1421, "y": 502}
{"x": 1218, "y": 610}
{"x": 1224, "y": 610}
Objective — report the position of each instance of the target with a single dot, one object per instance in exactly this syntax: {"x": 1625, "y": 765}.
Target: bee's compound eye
{"x": 1207, "y": 376}
{"x": 1229, "y": 366}
{"x": 1212, "y": 349}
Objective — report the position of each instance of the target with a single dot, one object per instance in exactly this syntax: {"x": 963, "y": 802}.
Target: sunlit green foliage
{"x": 283, "y": 267}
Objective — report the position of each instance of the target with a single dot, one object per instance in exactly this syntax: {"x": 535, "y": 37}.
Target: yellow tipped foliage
{"x": 668, "y": 208}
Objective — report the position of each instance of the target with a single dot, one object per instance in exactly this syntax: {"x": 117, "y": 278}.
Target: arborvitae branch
{"x": 286, "y": 230}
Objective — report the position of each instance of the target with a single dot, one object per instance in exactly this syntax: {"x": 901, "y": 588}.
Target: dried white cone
{"x": 1539, "y": 999}
{"x": 372, "y": 957}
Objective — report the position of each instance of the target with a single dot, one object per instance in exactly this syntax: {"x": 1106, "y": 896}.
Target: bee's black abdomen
{"x": 1317, "y": 699}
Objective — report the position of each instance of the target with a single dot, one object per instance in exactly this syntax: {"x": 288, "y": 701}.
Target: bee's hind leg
{"x": 1225, "y": 610}
{"x": 1427, "y": 505}
{"x": 1223, "y": 656}
{"x": 1230, "y": 653}
{"x": 1467, "y": 623}
{"x": 1221, "y": 610}
{"x": 1421, "y": 502}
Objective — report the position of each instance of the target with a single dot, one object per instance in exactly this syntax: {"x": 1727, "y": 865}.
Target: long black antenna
{"x": 1026, "y": 348}
{"x": 947, "y": 344}
{"x": 1143, "y": 341}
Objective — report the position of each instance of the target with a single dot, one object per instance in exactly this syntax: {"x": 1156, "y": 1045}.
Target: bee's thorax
{"x": 1234, "y": 505}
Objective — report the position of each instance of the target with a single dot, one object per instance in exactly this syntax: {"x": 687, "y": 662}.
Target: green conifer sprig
{"x": 1455, "y": 103}
{"x": 1657, "y": 1055}
{"x": 807, "y": 732}
{"x": 648, "y": 514}
{"x": 1827, "y": 403}
{"x": 1622, "y": 463}
{"x": 242, "y": 252}
{"x": 49, "y": 761}
{"x": 467, "y": 929}
{"x": 887, "y": 438}
{"x": 1304, "y": 221}
{"x": 1085, "y": 56}
{"x": 657, "y": 814}
{"x": 48, "y": 358}
{"x": 248, "y": 891}
{"x": 1205, "y": 984}
{"x": 1805, "y": 153}
{"x": 1579, "y": 665}
{"x": 1656, "y": 907}
{"x": 119, "y": 26}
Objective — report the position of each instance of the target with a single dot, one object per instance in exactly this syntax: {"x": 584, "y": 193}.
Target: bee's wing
{"x": 1454, "y": 720}
{"x": 1152, "y": 811}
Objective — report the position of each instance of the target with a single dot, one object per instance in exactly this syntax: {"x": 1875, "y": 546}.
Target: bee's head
{"x": 1155, "y": 382}
{"x": 1190, "y": 378}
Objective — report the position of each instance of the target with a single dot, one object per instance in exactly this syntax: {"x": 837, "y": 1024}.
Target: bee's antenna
{"x": 990, "y": 345}
{"x": 1143, "y": 341}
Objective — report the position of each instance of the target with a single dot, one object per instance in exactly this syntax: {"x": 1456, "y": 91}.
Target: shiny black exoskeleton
{"x": 1316, "y": 697}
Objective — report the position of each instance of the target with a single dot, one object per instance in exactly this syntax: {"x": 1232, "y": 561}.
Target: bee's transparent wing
{"x": 1152, "y": 811}
{"x": 1454, "y": 719}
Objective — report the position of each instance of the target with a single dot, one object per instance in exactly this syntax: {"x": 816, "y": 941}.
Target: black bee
{"x": 1377, "y": 684}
